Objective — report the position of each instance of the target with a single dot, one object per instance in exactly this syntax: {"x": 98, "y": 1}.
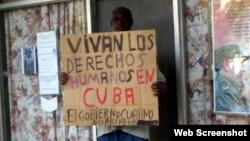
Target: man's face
{"x": 237, "y": 68}
{"x": 120, "y": 22}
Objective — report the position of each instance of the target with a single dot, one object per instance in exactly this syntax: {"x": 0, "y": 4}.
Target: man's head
{"x": 227, "y": 51}
{"x": 229, "y": 61}
{"x": 122, "y": 19}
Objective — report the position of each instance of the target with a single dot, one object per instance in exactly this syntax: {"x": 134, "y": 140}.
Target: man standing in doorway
{"x": 122, "y": 21}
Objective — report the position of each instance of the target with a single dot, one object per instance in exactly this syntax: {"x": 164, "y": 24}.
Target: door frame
{"x": 4, "y": 100}
{"x": 180, "y": 56}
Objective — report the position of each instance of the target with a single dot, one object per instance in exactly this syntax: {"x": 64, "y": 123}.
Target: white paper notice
{"x": 49, "y": 105}
{"x": 47, "y": 63}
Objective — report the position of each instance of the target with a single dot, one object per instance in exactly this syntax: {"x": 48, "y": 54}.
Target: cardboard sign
{"x": 110, "y": 81}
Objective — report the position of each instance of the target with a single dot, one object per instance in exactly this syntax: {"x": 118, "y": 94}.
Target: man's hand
{"x": 159, "y": 87}
{"x": 64, "y": 77}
